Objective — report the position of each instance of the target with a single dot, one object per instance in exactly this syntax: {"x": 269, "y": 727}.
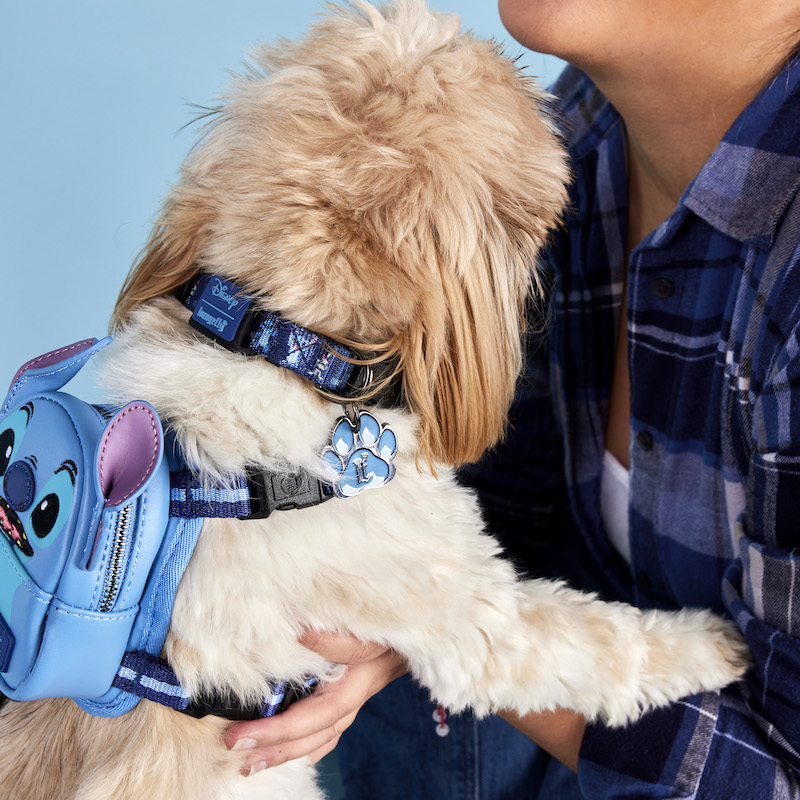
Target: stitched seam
{"x": 31, "y": 364}
{"x": 157, "y": 588}
{"x": 115, "y": 618}
{"x": 24, "y": 378}
{"x": 28, "y": 487}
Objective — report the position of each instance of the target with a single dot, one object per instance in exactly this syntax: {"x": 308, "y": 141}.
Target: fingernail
{"x": 259, "y": 766}
{"x": 244, "y": 744}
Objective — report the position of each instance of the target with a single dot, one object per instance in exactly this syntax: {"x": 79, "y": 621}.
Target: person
{"x": 654, "y": 454}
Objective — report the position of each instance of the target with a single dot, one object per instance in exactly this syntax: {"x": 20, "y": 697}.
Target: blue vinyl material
{"x": 81, "y": 580}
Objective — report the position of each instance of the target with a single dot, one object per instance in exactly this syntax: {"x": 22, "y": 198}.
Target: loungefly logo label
{"x": 211, "y": 321}
{"x": 221, "y": 309}
{"x": 221, "y": 290}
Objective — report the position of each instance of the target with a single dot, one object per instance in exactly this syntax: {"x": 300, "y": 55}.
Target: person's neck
{"x": 674, "y": 119}
{"x": 668, "y": 143}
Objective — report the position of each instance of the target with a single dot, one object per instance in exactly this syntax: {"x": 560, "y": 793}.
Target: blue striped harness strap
{"x": 153, "y": 679}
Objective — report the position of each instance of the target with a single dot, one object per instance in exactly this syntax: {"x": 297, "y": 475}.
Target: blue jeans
{"x": 393, "y": 752}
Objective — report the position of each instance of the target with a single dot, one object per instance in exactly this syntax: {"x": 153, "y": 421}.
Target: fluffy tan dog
{"x": 387, "y": 182}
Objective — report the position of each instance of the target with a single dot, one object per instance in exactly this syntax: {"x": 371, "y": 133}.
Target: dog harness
{"x": 99, "y": 516}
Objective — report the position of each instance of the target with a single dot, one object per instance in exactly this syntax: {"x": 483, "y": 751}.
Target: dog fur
{"x": 386, "y": 181}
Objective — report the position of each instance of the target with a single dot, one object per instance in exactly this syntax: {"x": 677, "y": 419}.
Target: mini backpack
{"x": 88, "y": 554}
{"x": 99, "y": 516}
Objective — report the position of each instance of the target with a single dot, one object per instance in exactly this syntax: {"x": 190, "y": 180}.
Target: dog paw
{"x": 690, "y": 651}
{"x": 361, "y": 455}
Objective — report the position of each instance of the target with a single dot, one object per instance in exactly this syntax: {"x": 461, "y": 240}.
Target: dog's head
{"x": 386, "y": 181}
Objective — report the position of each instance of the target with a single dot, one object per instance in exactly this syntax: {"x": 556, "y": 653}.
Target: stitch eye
{"x": 6, "y": 449}
{"x": 44, "y": 516}
{"x": 52, "y": 511}
{"x": 12, "y": 434}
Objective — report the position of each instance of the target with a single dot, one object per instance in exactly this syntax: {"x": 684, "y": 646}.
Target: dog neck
{"x": 228, "y": 412}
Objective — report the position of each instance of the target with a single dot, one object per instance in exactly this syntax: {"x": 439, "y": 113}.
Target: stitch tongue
{"x": 13, "y": 532}
{"x": 8, "y": 526}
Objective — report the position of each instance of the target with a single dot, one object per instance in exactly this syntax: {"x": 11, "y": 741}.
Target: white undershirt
{"x": 614, "y": 496}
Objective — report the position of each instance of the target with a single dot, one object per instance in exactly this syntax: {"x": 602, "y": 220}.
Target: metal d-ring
{"x": 350, "y": 408}
{"x": 352, "y": 414}
{"x": 369, "y": 375}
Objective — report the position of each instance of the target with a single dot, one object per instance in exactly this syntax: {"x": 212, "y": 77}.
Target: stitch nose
{"x": 19, "y": 486}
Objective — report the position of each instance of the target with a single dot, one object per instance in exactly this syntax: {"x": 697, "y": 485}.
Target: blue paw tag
{"x": 361, "y": 454}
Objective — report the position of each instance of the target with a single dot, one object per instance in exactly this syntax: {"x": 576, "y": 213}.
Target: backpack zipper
{"x": 117, "y": 560}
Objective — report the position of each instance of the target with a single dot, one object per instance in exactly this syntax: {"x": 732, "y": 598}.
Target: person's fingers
{"x": 312, "y": 726}
{"x": 311, "y": 722}
{"x": 302, "y": 719}
{"x": 320, "y": 753}
{"x": 314, "y": 747}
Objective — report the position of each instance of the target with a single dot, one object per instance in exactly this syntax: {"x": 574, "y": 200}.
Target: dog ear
{"x": 169, "y": 259}
{"x": 461, "y": 362}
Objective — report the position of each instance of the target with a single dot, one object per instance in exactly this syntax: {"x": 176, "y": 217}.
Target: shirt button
{"x": 645, "y": 440}
{"x": 662, "y": 288}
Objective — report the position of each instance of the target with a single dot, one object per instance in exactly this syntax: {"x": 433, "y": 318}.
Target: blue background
{"x": 95, "y": 96}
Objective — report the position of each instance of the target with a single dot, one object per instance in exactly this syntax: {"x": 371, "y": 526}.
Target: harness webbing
{"x": 149, "y": 677}
{"x": 153, "y": 679}
{"x": 253, "y": 495}
{"x": 188, "y": 498}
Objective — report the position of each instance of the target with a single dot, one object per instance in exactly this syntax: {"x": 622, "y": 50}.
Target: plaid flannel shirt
{"x": 714, "y": 355}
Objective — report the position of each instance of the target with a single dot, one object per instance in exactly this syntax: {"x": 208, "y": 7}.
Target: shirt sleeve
{"x": 744, "y": 741}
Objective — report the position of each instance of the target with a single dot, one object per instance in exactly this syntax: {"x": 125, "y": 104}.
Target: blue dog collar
{"x": 225, "y": 313}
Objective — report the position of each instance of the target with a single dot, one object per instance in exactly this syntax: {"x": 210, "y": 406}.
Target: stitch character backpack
{"x": 84, "y": 503}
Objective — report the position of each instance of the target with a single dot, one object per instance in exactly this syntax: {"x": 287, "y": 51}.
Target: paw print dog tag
{"x": 361, "y": 454}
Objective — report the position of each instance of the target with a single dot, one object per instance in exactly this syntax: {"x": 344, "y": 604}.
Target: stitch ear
{"x": 129, "y": 452}
{"x": 52, "y": 370}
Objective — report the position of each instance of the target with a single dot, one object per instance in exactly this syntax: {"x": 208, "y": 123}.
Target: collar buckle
{"x": 220, "y": 707}
{"x": 283, "y": 491}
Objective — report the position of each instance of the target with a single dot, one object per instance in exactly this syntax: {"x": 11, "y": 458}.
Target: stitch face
{"x": 38, "y": 492}
{"x": 361, "y": 455}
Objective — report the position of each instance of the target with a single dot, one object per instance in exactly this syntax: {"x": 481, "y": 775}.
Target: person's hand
{"x": 312, "y": 726}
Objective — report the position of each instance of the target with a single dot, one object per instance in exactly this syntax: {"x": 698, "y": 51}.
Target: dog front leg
{"x": 546, "y": 646}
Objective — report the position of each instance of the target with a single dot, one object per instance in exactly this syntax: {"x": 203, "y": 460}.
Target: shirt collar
{"x": 750, "y": 178}
{"x": 752, "y": 175}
